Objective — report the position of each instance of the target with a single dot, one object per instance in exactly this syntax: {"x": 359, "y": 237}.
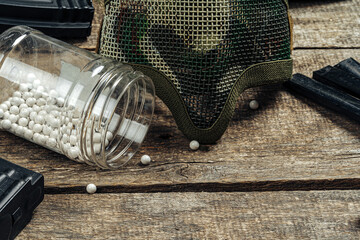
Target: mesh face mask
{"x": 201, "y": 54}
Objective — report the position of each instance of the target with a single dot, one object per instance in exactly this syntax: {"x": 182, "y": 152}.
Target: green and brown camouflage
{"x": 201, "y": 54}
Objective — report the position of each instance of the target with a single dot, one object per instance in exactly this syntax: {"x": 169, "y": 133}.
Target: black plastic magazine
{"x": 21, "y": 191}
{"x": 57, "y": 18}
{"x": 336, "y": 87}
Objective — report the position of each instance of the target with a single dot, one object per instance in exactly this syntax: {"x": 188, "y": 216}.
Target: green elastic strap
{"x": 255, "y": 75}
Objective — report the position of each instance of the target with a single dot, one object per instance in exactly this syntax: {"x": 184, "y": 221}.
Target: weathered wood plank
{"x": 288, "y": 139}
{"x": 326, "y": 23}
{"x": 307, "y": 61}
{"x": 280, "y": 215}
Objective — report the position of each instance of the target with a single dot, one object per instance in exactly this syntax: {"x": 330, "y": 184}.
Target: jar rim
{"x": 124, "y": 91}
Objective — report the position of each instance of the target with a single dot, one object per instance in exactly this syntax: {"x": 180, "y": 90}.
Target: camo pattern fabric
{"x": 202, "y": 46}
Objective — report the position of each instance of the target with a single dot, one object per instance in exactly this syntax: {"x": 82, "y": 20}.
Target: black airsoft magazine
{"x": 57, "y": 18}
{"x": 335, "y": 87}
{"x": 21, "y": 191}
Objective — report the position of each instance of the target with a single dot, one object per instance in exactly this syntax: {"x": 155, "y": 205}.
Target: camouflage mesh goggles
{"x": 201, "y": 54}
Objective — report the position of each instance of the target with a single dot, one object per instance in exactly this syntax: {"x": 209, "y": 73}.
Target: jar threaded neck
{"x": 125, "y": 98}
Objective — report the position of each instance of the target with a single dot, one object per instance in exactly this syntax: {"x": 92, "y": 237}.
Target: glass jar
{"x": 87, "y": 107}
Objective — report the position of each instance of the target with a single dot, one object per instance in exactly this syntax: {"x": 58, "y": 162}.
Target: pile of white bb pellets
{"x": 37, "y": 114}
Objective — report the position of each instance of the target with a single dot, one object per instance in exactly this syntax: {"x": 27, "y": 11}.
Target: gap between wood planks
{"x": 324, "y": 48}
{"x": 253, "y": 186}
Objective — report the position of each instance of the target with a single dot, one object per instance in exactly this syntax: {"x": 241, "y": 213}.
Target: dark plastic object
{"x": 21, "y": 191}
{"x": 57, "y": 18}
{"x": 326, "y": 95}
{"x": 350, "y": 65}
{"x": 339, "y": 78}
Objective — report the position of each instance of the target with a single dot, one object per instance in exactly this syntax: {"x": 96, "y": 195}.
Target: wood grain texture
{"x": 289, "y": 143}
{"x": 281, "y": 215}
{"x": 326, "y": 23}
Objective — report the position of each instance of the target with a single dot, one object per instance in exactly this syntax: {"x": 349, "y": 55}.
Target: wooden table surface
{"x": 289, "y": 170}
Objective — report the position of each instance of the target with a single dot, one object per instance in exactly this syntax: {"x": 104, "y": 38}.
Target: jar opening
{"x": 118, "y": 119}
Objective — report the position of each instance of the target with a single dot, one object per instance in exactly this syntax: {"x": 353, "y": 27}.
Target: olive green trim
{"x": 258, "y": 74}
{"x": 287, "y": 3}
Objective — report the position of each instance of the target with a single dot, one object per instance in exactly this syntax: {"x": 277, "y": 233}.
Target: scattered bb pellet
{"x": 145, "y": 159}
{"x": 91, "y": 188}
{"x": 254, "y": 104}
{"x": 194, "y": 145}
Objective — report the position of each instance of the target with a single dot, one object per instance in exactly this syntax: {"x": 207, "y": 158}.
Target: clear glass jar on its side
{"x": 87, "y": 107}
